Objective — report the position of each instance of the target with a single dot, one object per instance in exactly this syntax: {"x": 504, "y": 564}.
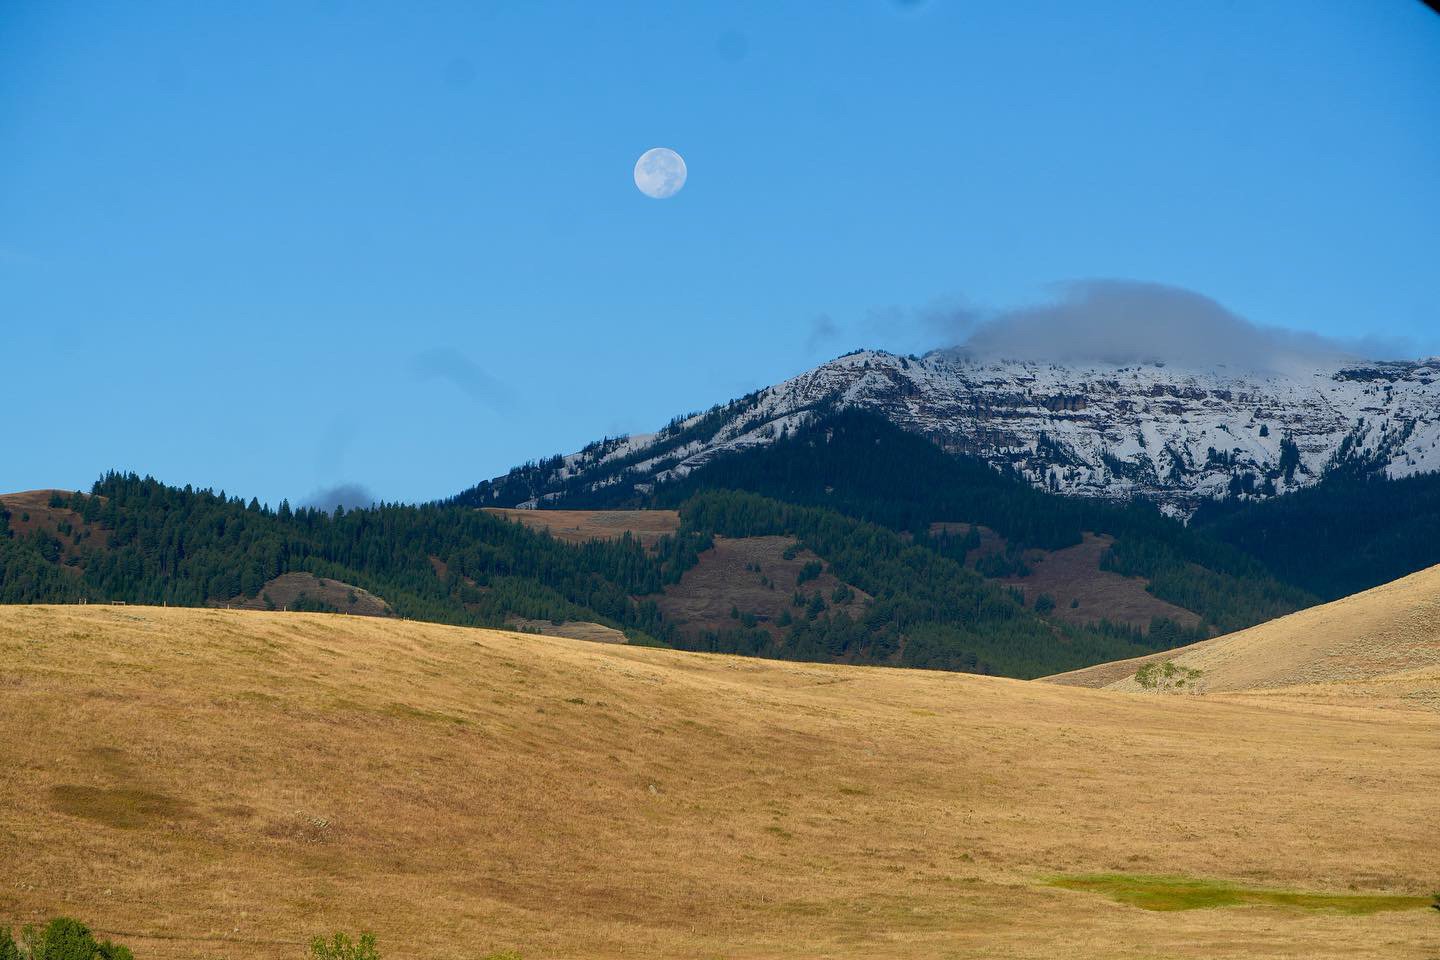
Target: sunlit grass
{"x": 1192, "y": 893}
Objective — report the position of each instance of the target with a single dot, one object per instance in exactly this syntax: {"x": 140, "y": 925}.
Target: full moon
{"x": 660, "y": 173}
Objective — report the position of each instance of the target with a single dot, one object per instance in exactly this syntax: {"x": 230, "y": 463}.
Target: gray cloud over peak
{"x": 1127, "y": 321}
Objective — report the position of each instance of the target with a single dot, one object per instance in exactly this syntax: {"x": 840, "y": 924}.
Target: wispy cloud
{"x": 460, "y": 371}
{"x": 824, "y": 332}
{"x": 908, "y": 329}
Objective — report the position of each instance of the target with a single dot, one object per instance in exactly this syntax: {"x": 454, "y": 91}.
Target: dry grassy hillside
{"x": 578, "y": 526}
{"x": 1072, "y": 576}
{"x": 30, "y": 511}
{"x": 573, "y": 629}
{"x": 1381, "y": 644}
{"x": 755, "y": 575}
{"x": 290, "y": 589}
{"x": 214, "y": 783}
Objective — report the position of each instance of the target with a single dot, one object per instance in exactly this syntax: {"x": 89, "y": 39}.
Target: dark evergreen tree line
{"x": 145, "y": 542}
{"x": 1350, "y": 532}
{"x": 190, "y": 547}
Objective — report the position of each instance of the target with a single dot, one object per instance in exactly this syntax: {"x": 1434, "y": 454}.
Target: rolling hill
{"x": 1383, "y": 642}
{"x": 225, "y": 784}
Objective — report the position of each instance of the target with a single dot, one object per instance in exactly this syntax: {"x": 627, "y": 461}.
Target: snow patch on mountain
{"x": 1173, "y": 435}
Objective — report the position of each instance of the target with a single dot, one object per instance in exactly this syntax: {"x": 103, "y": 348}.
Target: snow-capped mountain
{"x": 1173, "y": 435}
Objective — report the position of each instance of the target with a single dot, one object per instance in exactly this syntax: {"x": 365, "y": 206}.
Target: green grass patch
{"x": 1193, "y": 893}
{"x": 406, "y": 711}
{"x": 127, "y": 809}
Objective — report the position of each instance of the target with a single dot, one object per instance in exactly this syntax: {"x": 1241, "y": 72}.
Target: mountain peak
{"x": 1173, "y": 435}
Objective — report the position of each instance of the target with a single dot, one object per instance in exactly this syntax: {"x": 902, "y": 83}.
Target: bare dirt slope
{"x": 578, "y": 526}
{"x": 225, "y": 784}
{"x": 1373, "y": 640}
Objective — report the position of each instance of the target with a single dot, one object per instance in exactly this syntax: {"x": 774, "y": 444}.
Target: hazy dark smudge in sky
{"x": 1127, "y": 321}
{"x": 347, "y": 495}
{"x": 460, "y": 371}
{"x": 823, "y": 333}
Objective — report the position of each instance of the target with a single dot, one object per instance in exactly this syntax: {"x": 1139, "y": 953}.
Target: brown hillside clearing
{"x": 1074, "y": 574}
{"x": 725, "y": 579}
{"x": 31, "y": 511}
{"x": 285, "y": 591}
{"x": 578, "y": 526}
{"x": 573, "y": 629}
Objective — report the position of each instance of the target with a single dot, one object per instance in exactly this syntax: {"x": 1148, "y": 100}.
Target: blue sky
{"x": 273, "y": 247}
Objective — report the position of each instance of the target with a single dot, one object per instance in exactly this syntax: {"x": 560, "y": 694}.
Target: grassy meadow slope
{"x": 1382, "y": 643}
{"x": 579, "y": 526}
{"x": 215, "y": 783}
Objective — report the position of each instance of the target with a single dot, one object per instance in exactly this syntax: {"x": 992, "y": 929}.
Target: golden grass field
{"x": 217, "y": 783}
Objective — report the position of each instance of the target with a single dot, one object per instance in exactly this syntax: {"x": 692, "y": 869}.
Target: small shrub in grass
{"x": 341, "y": 947}
{"x": 1168, "y": 676}
{"x": 62, "y": 939}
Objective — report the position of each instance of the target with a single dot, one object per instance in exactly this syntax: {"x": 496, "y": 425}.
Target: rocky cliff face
{"x": 1173, "y": 435}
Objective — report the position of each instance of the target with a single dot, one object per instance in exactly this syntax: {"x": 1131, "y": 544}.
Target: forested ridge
{"x": 861, "y": 465}
{"x": 928, "y": 610}
{"x": 857, "y": 491}
{"x": 1345, "y": 534}
{"x": 139, "y": 540}
{"x": 145, "y": 542}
